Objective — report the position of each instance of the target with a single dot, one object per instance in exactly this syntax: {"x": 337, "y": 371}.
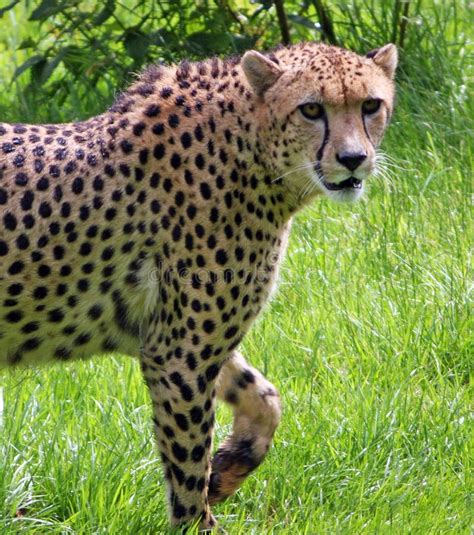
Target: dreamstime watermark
{"x": 197, "y": 277}
{"x": 267, "y": 270}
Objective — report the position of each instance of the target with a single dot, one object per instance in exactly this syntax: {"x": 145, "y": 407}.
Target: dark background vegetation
{"x": 84, "y": 51}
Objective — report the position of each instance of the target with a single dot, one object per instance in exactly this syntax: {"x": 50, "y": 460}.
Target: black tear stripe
{"x": 366, "y": 132}
{"x": 319, "y": 154}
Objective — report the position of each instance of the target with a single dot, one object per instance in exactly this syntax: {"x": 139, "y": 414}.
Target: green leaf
{"x": 207, "y": 42}
{"x": 304, "y": 21}
{"x": 27, "y": 43}
{"x": 107, "y": 12}
{"x": 34, "y": 60}
{"x": 46, "y": 9}
{"x": 136, "y": 44}
{"x": 76, "y": 58}
{"x": 49, "y": 67}
{"x": 243, "y": 42}
{"x": 3, "y": 10}
{"x": 163, "y": 38}
{"x": 37, "y": 71}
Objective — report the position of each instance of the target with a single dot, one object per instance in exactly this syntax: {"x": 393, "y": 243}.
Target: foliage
{"x": 75, "y": 48}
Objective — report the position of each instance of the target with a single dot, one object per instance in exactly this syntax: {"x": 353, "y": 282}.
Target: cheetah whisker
{"x": 308, "y": 165}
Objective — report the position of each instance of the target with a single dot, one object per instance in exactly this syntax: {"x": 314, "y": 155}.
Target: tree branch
{"x": 327, "y": 28}
{"x": 283, "y": 22}
{"x": 404, "y": 23}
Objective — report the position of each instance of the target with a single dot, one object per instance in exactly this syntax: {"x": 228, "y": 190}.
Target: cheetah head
{"x": 322, "y": 113}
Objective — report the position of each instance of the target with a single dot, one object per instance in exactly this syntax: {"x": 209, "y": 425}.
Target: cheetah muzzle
{"x": 157, "y": 229}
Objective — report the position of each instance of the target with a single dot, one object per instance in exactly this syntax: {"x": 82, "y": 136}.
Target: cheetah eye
{"x": 371, "y": 105}
{"x": 312, "y": 111}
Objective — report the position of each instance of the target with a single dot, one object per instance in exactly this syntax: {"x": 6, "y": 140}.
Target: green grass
{"x": 368, "y": 340}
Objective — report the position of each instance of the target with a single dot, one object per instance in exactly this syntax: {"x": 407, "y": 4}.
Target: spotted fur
{"x": 156, "y": 230}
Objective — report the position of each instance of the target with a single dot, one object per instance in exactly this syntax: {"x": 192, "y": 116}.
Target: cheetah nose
{"x": 351, "y": 160}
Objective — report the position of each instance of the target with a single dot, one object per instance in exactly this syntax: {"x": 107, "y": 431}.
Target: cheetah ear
{"x": 386, "y": 58}
{"x": 260, "y": 71}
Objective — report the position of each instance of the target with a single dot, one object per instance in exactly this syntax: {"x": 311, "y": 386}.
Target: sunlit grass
{"x": 368, "y": 339}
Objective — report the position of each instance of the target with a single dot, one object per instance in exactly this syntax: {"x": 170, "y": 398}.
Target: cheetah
{"x": 157, "y": 229}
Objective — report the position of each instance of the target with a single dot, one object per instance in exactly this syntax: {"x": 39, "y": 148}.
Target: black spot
{"x": 139, "y": 127}
{"x": 69, "y": 168}
{"x": 168, "y": 431}
{"x": 178, "y": 474}
{"x": 190, "y": 484}
{"x": 197, "y": 453}
{"x": 186, "y": 140}
{"x": 166, "y": 92}
{"x": 42, "y": 184}
{"x": 209, "y": 326}
{"x": 191, "y": 361}
{"x": 173, "y": 120}
{"x": 82, "y": 339}
{"x": 30, "y": 327}
{"x": 175, "y": 160}
{"x": 212, "y": 372}
{"x": 180, "y": 453}
{"x": 205, "y": 190}
{"x": 3, "y": 196}
{"x": 40, "y": 292}
{"x": 126, "y": 146}
{"x": 231, "y": 397}
{"x": 83, "y": 285}
{"x": 121, "y": 315}
{"x": 44, "y": 271}
{"x": 85, "y": 249}
{"x": 181, "y": 421}
{"x": 155, "y": 206}
{"x": 10, "y": 222}
{"x": 231, "y": 332}
{"x": 14, "y": 316}
{"x": 179, "y": 511}
{"x": 16, "y": 267}
{"x": 176, "y": 233}
{"x": 196, "y": 414}
{"x": 110, "y": 214}
{"x": 186, "y": 392}
{"x": 97, "y": 184}
{"x": 21, "y": 179}
{"x": 198, "y": 133}
{"x": 31, "y": 344}
{"x": 248, "y": 376}
{"x": 95, "y": 312}
{"x": 152, "y": 111}
{"x": 143, "y": 156}
{"x": 199, "y": 161}
{"x": 45, "y": 209}
{"x": 109, "y": 170}
{"x": 62, "y": 353}
{"x": 159, "y": 151}
{"x": 78, "y": 185}
{"x": 158, "y": 129}
{"x": 221, "y": 257}
{"x": 56, "y": 315}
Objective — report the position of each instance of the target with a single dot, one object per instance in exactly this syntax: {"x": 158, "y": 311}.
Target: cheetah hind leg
{"x": 257, "y": 411}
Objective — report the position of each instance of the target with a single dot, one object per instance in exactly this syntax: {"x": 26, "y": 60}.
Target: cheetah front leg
{"x": 182, "y": 388}
{"x": 257, "y": 411}
{"x": 183, "y": 429}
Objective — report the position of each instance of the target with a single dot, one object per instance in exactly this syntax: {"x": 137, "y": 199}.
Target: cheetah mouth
{"x": 349, "y": 183}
